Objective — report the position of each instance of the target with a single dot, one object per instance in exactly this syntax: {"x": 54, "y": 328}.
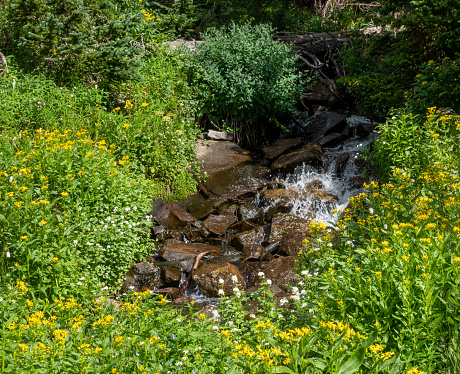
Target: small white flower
{"x": 269, "y": 281}
{"x": 261, "y": 274}
{"x": 235, "y": 289}
{"x": 296, "y": 297}
{"x": 234, "y": 278}
{"x": 295, "y": 290}
{"x": 230, "y": 323}
{"x": 252, "y": 316}
{"x": 221, "y": 281}
{"x": 221, "y": 292}
{"x": 329, "y": 244}
{"x": 215, "y": 327}
{"x": 305, "y": 272}
{"x": 371, "y": 211}
{"x": 283, "y": 301}
{"x": 215, "y": 314}
{"x": 340, "y": 276}
{"x": 280, "y": 316}
{"x": 385, "y": 227}
{"x": 8, "y": 254}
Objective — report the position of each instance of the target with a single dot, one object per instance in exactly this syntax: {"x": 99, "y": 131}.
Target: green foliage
{"x": 406, "y": 141}
{"x": 244, "y": 78}
{"x": 394, "y": 262}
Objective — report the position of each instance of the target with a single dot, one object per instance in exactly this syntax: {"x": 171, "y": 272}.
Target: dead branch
{"x": 189, "y": 277}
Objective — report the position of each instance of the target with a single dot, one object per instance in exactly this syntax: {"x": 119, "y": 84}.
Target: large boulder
{"x": 208, "y": 278}
{"x": 280, "y": 147}
{"x": 280, "y": 271}
{"x": 324, "y": 123}
{"x": 186, "y": 251}
{"x": 309, "y": 155}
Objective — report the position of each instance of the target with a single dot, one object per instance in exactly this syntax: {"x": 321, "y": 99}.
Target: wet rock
{"x": 273, "y": 288}
{"x": 186, "y": 251}
{"x": 171, "y": 276}
{"x": 280, "y": 271}
{"x": 142, "y": 276}
{"x": 253, "y": 252}
{"x": 280, "y": 147}
{"x": 274, "y": 185}
{"x": 201, "y": 209}
{"x": 254, "y": 236}
{"x": 341, "y": 162}
{"x": 356, "y": 181}
{"x": 314, "y": 185}
{"x": 324, "y": 123}
{"x": 288, "y": 196}
{"x": 170, "y": 214}
{"x": 221, "y": 135}
{"x": 218, "y": 224}
{"x": 292, "y": 244}
{"x": 284, "y": 225}
{"x": 250, "y": 212}
{"x": 310, "y": 155}
{"x": 243, "y": 226}
{"x": 197, "y": 235}
{"x": 280, "y": 207}
{"x": 321, "y": 195}
{"x": 332, "y": 140}
{"x": 363, "y": 130}
{"x": 207, "y": 277}
{"x": 220, "y": 155}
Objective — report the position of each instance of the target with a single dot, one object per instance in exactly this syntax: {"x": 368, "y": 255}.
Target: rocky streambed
{"x": 259, "y": 210}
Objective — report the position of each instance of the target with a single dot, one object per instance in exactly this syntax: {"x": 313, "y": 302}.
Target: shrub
{"x": 245, "y": 78}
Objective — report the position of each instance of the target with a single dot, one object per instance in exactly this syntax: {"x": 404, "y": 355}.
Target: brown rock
{"x": 170, "y": 214}
{"x": 218, "y": 224}
{"x": 186, "y": 251}
{"x": 254, "y": 236}
{"x": 253, "y": 252}
{"x": 280, "y": 147}
{"x": 182, "y": 300}
{"x": 314, "y": 185}
{"x": 280, "y": 271}
{"x": 292, "y": 244}
{"x": 287, "y": 224}
{"x": 171, "y": 276}
{"x": 310, "y": 155}
{"x": 172, "y": 292}
{"x": 207, "y": 277}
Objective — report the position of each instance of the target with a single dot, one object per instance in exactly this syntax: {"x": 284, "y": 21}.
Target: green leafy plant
{"x": 244, "y": 77}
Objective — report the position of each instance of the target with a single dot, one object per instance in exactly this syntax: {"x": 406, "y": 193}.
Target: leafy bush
{"x": 245, "y": 78}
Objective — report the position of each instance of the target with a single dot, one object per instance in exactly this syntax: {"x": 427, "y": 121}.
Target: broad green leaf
{"x": 353, "y": 364}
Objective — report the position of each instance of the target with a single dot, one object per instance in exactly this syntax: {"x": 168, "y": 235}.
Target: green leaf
{"x": 283, "y": 369}
{"x": 353, "y": 363}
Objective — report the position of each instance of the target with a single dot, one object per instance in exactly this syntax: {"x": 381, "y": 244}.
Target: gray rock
{"x": 221, "y": 135}
{"x": 250, "y": 212}
{"x": 254, "y": 236}
{"x": 324, "y": 123}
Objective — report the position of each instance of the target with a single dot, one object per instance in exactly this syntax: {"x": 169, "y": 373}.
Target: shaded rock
{"x": 250, "y": 212}
{"x": 243, "y": 226}
{"x": 207, "y": 277}
{"x": 363, "y": 130}
{"x": 142, "y": 276}
{"x": 356, "y": 181}
{"x": 185, "y": 251}
{"x": 197, "y": 235}
{"x": 218, "y": 224}
{"x": 280, "y": 147}
{"x": 284, "y": 225}
{"x": 253, "y": 252}
{"x": 310, "y": 155}
{"x": 324, "y": 123}
{"x": 280, "y": 271}
{"x": 201, "y": 209}
{"x": 341, "y": 163}
{"x": 171, "y": 276}
{"x": 292, "y": 244}
{"x": 221, "y": 135}
{"x": 220, "y": 155}
{"x": 321, "y": 93}
{"x": 170, "y": 214}
{"x": 254, "y": 236}
{"x": 280, "y": 207}
{"x": 332, "y": 140}
{"x": 318, "y": 108}
{"x": 314, "y": 185}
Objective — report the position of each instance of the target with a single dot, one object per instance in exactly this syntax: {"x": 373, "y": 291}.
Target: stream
{"x": 258, "y": 212}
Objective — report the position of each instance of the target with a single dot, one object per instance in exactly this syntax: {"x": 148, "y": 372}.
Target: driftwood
{"x": 4, "y": 64}
{"x": 314, "y": 46}
{"x": 189, "y": 277}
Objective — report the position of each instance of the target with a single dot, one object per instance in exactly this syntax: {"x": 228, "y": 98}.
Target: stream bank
{"x": 256, "y": 218}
